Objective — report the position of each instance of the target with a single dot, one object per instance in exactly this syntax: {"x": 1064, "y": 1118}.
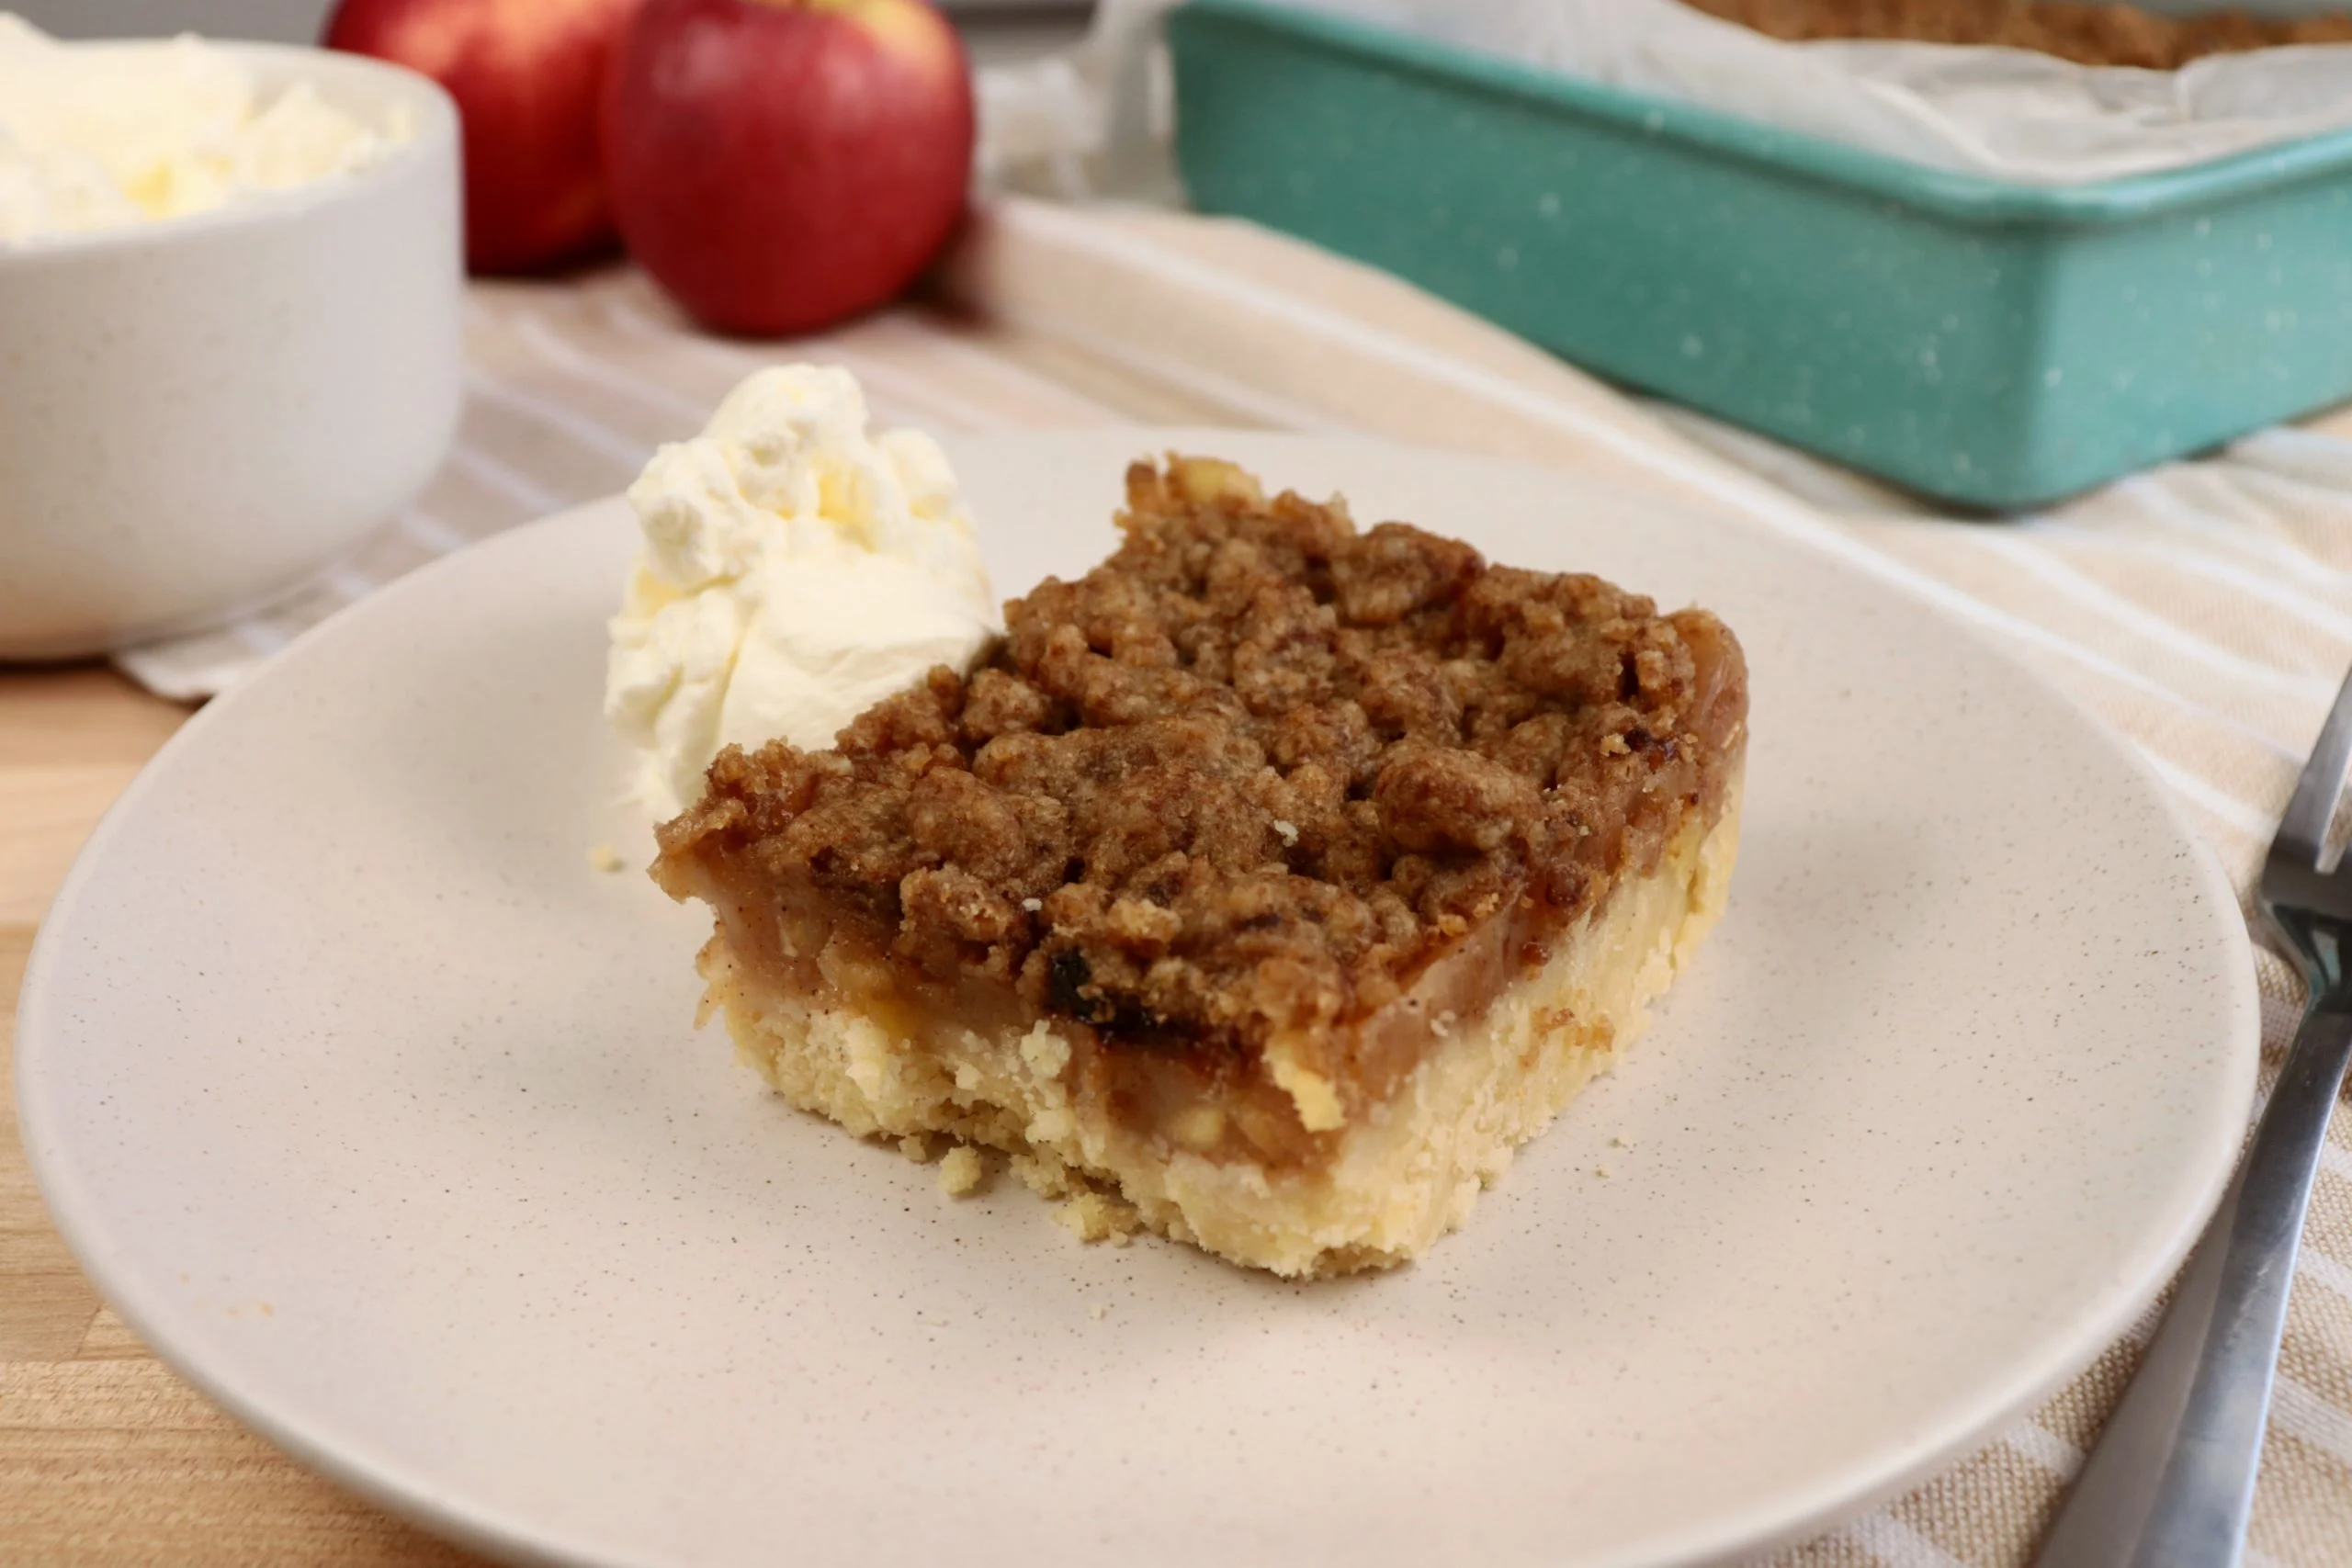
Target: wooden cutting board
{"x": 106, "y": 1455}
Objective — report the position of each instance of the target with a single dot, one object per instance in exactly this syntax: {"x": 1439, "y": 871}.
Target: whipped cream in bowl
{"x": 99, "y": 137}
{"x": 796, "y": 569}
{"x": 231, "y": 306}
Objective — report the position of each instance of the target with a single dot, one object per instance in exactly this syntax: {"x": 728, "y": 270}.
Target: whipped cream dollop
{"x": 796, "y": 572}
{"x": 108, "y": 137}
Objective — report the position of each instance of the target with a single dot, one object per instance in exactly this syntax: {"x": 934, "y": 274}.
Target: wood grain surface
{"x": 107, "y": 1457}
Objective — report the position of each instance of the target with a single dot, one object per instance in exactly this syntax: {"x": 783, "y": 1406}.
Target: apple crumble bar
{"x": 1266, "y": 888}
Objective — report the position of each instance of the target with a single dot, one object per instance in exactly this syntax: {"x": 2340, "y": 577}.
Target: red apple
{"x": 779, "y": 165}
{"x": 529, "y": 77}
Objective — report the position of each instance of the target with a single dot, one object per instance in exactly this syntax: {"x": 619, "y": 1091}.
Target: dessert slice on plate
{"x": 1266, "y": 886}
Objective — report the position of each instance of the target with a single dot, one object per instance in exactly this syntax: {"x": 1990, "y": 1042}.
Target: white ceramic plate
{"x": 382, "y": 1116}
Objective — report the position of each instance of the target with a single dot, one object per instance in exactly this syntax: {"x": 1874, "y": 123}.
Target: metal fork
{"x": 2171, "y": 1482}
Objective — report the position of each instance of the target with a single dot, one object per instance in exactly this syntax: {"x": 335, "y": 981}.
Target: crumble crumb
{"x": 1091, "y": 1217}
{"x": 1096, "y": 1310}
{"x": 1621, "y": 1141}
{"x": 961, "y": 1170}
{"x": 1043, "y": 1174}
{"x": 602, "y": 857}
{"x": 1604, "y": 1172}
{"x": 916, "y": 1146}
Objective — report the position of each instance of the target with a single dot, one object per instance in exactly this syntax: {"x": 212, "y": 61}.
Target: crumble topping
{"x": 2087, "y": 35}
{"x": 1244, "y": 780}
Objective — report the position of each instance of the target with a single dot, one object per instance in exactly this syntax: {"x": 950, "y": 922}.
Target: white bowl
{"x": 199, "y": 415}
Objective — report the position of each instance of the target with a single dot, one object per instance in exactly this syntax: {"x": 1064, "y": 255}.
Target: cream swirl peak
{"x": 796, "y": 571}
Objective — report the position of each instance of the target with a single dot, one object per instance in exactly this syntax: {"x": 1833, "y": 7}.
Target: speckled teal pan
{"x": 1993, "y": 344}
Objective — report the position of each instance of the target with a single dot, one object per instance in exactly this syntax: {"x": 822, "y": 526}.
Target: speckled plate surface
{"x": 382, "y": 1115}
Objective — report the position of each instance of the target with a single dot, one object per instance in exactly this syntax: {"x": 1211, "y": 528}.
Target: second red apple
{"x": 780, "y": 164}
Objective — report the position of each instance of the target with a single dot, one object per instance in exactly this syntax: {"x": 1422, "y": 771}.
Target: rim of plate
{"x": 1795, "y": 1515}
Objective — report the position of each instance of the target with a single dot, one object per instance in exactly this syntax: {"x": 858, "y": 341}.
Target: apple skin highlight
{"x": 529, "y": 77}
{"x": 779, "y": 166}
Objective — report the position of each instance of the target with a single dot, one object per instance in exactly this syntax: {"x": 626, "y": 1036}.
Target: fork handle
{"x": 2171, "y": 1482}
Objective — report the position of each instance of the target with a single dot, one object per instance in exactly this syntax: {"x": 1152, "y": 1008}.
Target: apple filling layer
{"x": 1266, "y": 886}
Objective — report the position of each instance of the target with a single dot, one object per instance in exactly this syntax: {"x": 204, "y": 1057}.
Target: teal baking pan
{"x": 1995, "y": 344}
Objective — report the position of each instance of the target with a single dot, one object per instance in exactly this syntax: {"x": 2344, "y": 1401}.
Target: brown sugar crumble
{"x": 2087, "y": 35}
{"x": 1246, "y": 778}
